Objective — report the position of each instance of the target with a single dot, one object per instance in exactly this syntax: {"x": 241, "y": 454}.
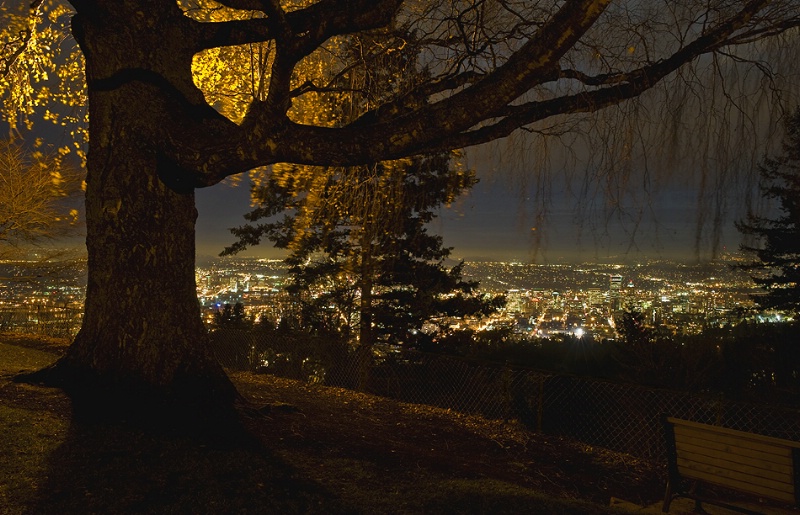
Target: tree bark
{"x": 366, "y": 336}
{"x": 142, "y": 346}
{"x": 142, "y": 339}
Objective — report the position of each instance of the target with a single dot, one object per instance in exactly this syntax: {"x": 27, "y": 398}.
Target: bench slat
{"x": 697, "y": 435}
{"x": 723, "y": 470}
{"x": 779, "y": 468}
{"x": 754, "y": 464}
{"x": 728, "y": 479}
{"x": 679, "y": 423}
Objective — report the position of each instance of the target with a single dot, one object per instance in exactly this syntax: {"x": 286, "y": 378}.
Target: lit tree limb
{"x": 488, "y": 98}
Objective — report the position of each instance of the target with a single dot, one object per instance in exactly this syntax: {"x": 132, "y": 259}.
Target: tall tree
{"x": 776, "y": 253}
{"x": 493, "y": 66}
{"x": 366, "y": 260}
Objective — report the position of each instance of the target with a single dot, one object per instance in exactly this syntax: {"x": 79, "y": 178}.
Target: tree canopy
{"x": 700, "y": 121}
{"x": 493, "y": 67}
{"x": 35, "y": 195}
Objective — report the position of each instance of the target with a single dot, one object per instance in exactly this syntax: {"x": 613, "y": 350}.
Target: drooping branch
{"x": 721, "y": 35}
{"x": 623, "y": 86}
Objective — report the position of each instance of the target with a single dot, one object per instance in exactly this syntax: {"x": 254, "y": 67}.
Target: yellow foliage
{"x": 43, "y": 68}
{"x": 34, "y": 191}
{"x": 331, "y": 88}
{"x": 56, "y": 178}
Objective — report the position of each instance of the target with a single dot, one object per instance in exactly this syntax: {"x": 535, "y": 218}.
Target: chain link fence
{"x": 618, "y": 416}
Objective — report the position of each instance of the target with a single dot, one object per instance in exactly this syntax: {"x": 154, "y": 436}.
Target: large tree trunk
{"x": 142, "y": 346}
{"x": 142, "y": 340}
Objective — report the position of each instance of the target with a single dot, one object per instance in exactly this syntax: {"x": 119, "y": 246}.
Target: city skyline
{"x": 542, "y": 300}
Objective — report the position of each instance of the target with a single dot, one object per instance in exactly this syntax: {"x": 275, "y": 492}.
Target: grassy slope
{"x": 29, "y": 434}
{"x": 332, "y": 451}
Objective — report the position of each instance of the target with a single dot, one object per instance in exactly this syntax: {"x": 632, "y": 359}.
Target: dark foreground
{"x": 319, "y": 450}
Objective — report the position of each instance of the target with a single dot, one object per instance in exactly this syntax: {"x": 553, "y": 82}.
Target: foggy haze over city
{"x": 496, "y": 221}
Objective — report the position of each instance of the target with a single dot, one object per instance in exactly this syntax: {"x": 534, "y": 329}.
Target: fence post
{"x": 540, "y": 404}
{"x": 508, "y": 394}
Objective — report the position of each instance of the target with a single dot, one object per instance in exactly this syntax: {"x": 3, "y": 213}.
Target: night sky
{"x": 496, "y": 220}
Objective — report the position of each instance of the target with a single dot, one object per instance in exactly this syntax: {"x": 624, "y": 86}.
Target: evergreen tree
{"x": 231, "y": 339}
{"x": 362, "y": 262}
{"x": 372, "y": 271}
{"x": 776, "y": 264}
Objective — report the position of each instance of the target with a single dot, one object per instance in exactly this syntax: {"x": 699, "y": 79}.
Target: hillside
{"x": 322, "y": 450}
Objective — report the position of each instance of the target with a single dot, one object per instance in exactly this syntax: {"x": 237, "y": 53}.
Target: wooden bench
{"x": 756, "y": 465}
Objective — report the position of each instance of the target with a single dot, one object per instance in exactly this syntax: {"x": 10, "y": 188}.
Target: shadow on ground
{"x": 113, "y": 469}
{"x": 52, "y": 462}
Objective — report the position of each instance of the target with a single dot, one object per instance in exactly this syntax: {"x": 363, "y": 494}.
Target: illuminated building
{"x": 614, "y": 288}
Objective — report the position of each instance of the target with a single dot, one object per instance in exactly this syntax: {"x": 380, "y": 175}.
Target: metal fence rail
{"x": 56, "y": 322}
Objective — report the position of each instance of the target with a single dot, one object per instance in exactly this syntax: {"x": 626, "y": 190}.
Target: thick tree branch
{"x": 300, "y": 32}
{"x": 308, "y": 27}
{"x": 488, "y": 99}
{"x": 245, "y": 5}
{"x": 238, "y": 32}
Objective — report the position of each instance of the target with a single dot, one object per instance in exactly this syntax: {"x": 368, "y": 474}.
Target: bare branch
{"x": 626, "y": 85}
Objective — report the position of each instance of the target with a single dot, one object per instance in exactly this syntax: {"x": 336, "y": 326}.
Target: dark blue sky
{"x": 496, "y": 221}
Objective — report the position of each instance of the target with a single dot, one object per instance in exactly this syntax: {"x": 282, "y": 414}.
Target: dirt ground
{"x": 368, "y": 452}
{"x": 400, "y": 438}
